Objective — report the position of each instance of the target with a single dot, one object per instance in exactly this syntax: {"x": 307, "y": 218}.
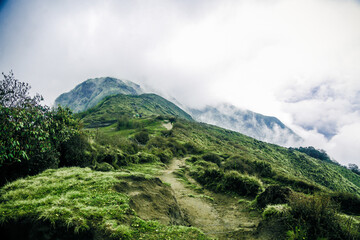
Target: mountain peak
{"x": 88, "y": 93}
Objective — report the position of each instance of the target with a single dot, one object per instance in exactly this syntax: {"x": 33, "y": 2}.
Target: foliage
{"x": 77, "y": 151}
{"x": 349, "y": 203}
{"x": 316, "y": 217}
{"x": 354, "y": 168}
{"x": 127, "y": 123}
{"x": 276, "y": 211}
{"x": 274, "y": 194}
{"x": 14, "y": 93}
{"x": 212, "y": 157}
{"x": 141, "y": 137}
{"x": 245, "y": 165}
{"x": 315, "y": 153}
{"x": 214, "y": 178}
{"x": 30, "y": 134}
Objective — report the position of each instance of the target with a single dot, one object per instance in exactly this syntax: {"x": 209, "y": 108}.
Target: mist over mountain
{"x": 92, "y": 91}
{"x": 264, "y": 128}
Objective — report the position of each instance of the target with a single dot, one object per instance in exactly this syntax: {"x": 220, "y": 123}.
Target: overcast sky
{"x": 296, "y": 60}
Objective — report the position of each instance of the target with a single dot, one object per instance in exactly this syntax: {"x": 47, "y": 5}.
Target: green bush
{"x": 192, "y": 148}
{"x": 76, "y": 151}
{"x": 176, "y": 148}
{"x": 141, "y": 137}
{"x": 147, "y": 157}
{"x": 276, "y": 211}
{"x": 212, "y": 157}
{"x": 165, "y": 155}
{"x": 273, "y": 195}
{"x": 316, "y": 216}
{"x": 242, "y": 184}
{"x": 349, "y": 203}
{"x": 127, "y": 123}
{"x": 157, "y": 142}
{"x": 244, "y": 165}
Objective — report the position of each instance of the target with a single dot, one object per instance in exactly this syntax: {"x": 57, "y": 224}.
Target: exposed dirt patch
{"x": 167, "y": 125}
{"x": 223, "y": 217}
{"x": 151, "y": 199}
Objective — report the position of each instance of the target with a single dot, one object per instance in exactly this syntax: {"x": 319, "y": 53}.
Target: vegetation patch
{"x": 83, "y": 200}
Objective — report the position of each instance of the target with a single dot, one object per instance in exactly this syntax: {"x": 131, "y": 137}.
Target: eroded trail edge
{"x": 217, "y": 215}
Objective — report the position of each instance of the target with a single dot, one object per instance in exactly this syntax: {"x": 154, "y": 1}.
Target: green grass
{"x": 83, "y": 200}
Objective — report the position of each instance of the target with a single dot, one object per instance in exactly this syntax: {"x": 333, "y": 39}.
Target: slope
{"x": 112, "y": 108}
{"x": 264, "y": 128}
{"x": 90, "y": 92}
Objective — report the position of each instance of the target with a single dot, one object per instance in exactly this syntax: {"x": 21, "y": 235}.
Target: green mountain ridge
{"x": 90, "y": 92}
{"x": 112, "y": 108}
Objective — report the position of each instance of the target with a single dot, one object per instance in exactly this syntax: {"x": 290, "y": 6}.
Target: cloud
{"x": 296, "y": 60}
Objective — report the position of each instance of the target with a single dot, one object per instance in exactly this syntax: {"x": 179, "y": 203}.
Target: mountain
{"x": 112, "y": 108}
{"x": 264, "y": 128}
{"x": 165, "y": 178}
{"x": 92, "y": 91}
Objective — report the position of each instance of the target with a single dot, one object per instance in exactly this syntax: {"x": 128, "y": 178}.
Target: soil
{"x": 167, "y": 125}
{"x": 151, "y": 199}
{"x": 222, "y": 218}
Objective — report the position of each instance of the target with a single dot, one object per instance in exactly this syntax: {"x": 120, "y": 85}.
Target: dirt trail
{"x": 222, "y": 218}
{"x": 167, "y": 125}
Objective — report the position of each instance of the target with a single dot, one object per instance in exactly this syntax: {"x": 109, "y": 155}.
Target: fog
{"x": 295, "y": 60}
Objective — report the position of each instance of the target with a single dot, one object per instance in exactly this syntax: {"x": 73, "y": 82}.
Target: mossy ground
{"x": 83, "y": 200}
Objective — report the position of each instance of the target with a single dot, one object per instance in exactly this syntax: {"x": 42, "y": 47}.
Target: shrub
{"x": 273, "y": 195}
{"x": 192, "y": 149}
{"x": 276, "y": 211}
{"x": 76, "y": 151}
{"x": 157, "y": 142}
{"x": 141, "y": 137}
{"x": 164, "y": 155}
{"x": 210, "y": 177}
{"x": 127, "y": 123}
{"x": 297, "y": 184}
{"x": 176, "y": 148}
{"x": 244, "y": 165}
{"x": 349, "y": 203}
{"x": 147, "y": 157}
{"x": 242, "y": 184}
{"x": 316, "y": 216}
{"x": 212, "y": 157}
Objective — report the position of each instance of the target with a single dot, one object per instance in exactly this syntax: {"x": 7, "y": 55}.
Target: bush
{"x": 349, "y": 203}
{"x": 157, "y": 142}
{"x": 176, "y": 148}
{"x": 273, "y": 195}
{"x": 242, "y": 184}
{"x": 212, "y": 157}
{"x": 127, "y": 123}
{"x": 164, "y": 155}
{"x": 276, "y": 211}
{"x": 147, "y": 157}
{"x": 141, "y": 137}
{"x": 192, "y": 149}
{"x": 76, "y": 151}
{"x": 316, "y": 216}
{"x": 244, "y": 165}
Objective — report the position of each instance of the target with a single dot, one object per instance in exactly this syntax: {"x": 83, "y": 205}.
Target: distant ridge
{"x": 90, "y": 92}
{"x": 264, "y": 128}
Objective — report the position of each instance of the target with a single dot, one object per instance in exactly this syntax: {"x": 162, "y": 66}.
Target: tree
{"x": 14, "y": 93}
{"x": 354, "y": 168}
{"x": 30, "y": 134}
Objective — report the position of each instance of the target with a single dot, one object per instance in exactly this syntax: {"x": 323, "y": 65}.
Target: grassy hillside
{"x": 115, "y": 107}
{"x": 117, "y": 193}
